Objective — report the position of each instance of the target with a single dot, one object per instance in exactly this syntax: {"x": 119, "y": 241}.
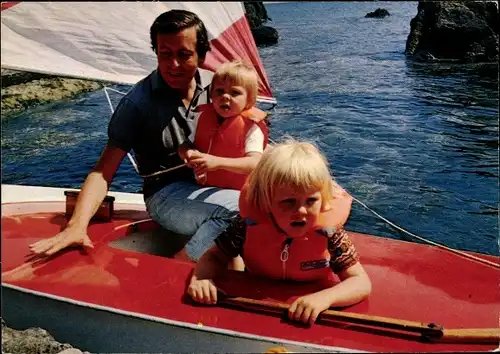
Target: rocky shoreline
{"x": 454, "y": 31}
{"x": 33, "y": 341}
{"x": 21, "y": 90}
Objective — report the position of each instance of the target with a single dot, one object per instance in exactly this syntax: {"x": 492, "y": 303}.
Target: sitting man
{"x": 153, "y": 119}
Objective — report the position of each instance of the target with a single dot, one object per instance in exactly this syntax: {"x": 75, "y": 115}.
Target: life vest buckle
{"x": 284, "y": 254}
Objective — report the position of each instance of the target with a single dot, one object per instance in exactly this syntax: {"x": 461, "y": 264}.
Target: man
{"x": 153, "y": 119}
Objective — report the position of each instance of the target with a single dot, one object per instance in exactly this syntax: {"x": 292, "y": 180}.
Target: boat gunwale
{"x": 166, "y": 321}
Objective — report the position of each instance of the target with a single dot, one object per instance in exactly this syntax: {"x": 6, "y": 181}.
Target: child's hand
{"x": 307, "y": 308}
{"x": 203, "y": 162}
{"x": 189, "y": 155}
{"x": 203, "y": 291}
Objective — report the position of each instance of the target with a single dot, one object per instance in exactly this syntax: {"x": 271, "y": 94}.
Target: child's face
{"x": 228, "y": 99}
{"x": 296, "y": 212}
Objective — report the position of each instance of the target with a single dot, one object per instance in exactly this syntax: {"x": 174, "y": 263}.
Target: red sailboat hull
{"x": 410, "y": 281}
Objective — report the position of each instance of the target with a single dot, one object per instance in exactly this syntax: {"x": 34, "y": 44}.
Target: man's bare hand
{"x": 66, "y": 238}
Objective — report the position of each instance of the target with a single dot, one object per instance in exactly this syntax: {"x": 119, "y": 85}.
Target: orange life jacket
{"x": 269, "y": 252}
{"x": 226, "y": 138}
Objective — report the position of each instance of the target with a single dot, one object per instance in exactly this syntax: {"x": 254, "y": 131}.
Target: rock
{"x": 72, "y": 351}
{"x": 32, "y": 341}
{"x": 12, "y": 77}
{"x": 464, "y": 31}
{"x": 21, "y": 90}
{"x": 378, "y": 13}
{"x": 256, "y": 13}
{"x": 424, "y": 56}
{"x": 257, "y": 17}
{"x": 265, "y": 35}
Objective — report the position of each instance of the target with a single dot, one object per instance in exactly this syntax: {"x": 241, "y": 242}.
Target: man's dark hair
{"x": 174, "y": 21}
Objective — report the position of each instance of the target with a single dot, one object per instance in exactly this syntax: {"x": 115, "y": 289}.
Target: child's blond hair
{"x": 294, "y": 164}
{"x": 240, "y": 73}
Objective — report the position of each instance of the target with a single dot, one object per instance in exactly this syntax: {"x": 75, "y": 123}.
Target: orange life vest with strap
{"x": 226, "y": 138}
{"x": 269, "y": 252}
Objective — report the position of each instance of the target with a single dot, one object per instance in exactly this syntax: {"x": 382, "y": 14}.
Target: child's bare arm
{"x": 211, "y": 264}
{"x": 344, "y": 261}
{"x": 228, "y": 245}
{"x": 244, "y": 165}
{"x": 355, "y": 286}
{"x": 201, "y": 287}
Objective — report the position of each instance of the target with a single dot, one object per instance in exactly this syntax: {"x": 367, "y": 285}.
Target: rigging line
{"x": 112, "y": 111}
{"x": 111, "y": 89}
{"x": 129, "y": 155}
{"x": 132, "y": 224}
{"x": 453, "y": 250}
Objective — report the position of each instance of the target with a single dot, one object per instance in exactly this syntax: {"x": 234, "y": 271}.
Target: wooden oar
{"x": 469, "y": 335}
{"x": 429, "y": 331}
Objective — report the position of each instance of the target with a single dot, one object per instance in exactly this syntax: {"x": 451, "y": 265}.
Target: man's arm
{"x": 96, "y": 186}
{"x": 93, "y": 192}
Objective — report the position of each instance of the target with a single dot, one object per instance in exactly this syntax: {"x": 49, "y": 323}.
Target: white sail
{"x": 110, "y": 41}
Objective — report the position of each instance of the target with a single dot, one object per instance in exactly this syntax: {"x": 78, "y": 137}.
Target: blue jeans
{"x": 191, "y": 209}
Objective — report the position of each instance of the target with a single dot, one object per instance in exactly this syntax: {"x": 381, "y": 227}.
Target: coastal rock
{"x": 256, "y": 13}
{"x": 265, "y": 35}
{"x": 378, "y": 13}
{"x": 463, "y": 31}
{"x": 424, "y": 56}
{"x": 33, "y": 341}
{"x": 21, "y": 90}
{"x": 12, "y": 77}
{"x": 257, "y": 17}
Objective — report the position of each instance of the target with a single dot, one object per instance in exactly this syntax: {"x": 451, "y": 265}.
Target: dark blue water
{"x": 418, "y": 143}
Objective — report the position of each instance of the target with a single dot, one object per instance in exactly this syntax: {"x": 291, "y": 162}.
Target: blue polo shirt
{"x": 151, "y": 120}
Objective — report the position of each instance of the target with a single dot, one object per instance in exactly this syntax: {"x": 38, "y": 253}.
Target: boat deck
{"x": 126, "y": 273}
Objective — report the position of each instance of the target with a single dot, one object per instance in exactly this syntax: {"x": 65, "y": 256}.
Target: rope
{"x": 129, "y": 155}
{"x": 132, "y": 223}
{"x": 470, "y": 256}
{"x": 452, "y": 250}
{"x": 162, "y": 171}
{"x": 112, "y": 111}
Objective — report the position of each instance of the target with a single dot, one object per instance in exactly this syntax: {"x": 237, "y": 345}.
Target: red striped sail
{"x": 103, "y": 41}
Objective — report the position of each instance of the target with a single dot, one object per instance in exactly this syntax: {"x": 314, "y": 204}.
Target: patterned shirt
{"x": 342, "y": 251}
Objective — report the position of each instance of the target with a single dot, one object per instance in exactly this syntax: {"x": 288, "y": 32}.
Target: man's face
{"x": 177, "y": 57}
